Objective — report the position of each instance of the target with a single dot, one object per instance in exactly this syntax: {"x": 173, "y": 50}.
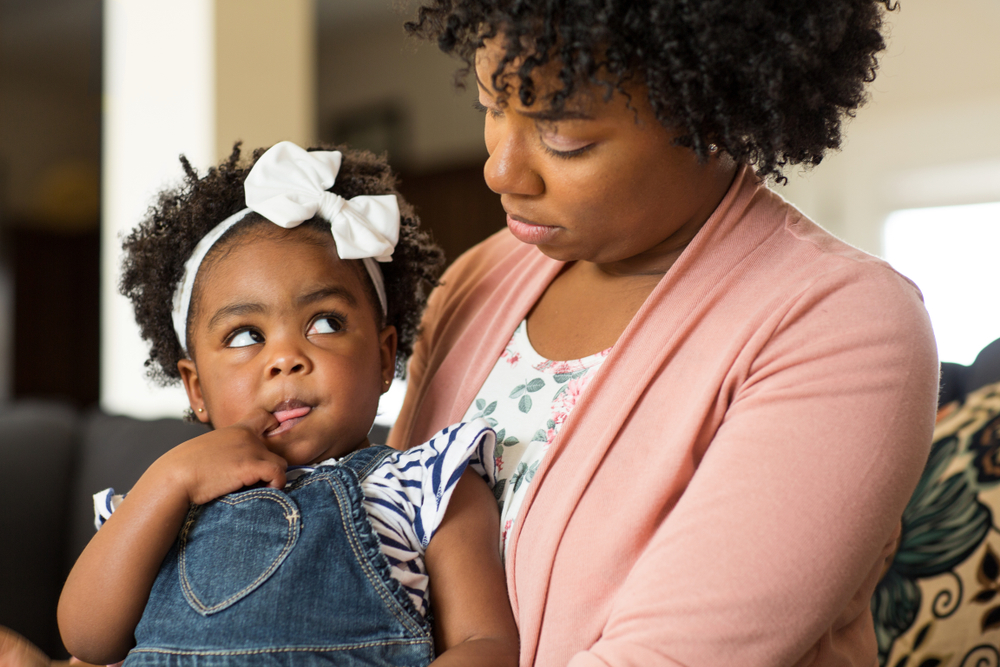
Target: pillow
{"x": 938, "y": 605}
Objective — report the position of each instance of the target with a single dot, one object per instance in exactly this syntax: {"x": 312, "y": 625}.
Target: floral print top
{"x": 527, "y": 398}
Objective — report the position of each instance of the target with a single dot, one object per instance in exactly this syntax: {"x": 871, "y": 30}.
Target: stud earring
{"x": 388, "y": 381}
{"x": 201, "y": 409}
{"x": 712, "y": 148}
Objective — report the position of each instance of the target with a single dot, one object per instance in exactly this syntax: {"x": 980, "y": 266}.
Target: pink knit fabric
{"x": 729, "y": 487}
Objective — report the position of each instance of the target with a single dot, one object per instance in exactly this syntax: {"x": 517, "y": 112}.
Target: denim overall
{"x": 292, "y": 577}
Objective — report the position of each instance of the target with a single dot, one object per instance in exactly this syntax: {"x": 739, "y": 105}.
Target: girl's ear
{"x": 192, "y": 385}
{"x": 387, "y": 340}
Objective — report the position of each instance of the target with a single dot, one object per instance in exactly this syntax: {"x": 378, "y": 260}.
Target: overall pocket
{"x": 232, "y": 545}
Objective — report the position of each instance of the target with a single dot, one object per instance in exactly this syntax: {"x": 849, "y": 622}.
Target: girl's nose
{"x": 288, "y": 359}
{"x": 508, "y": 170}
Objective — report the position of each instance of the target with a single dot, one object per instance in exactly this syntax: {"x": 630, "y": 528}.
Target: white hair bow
{"x": 288, "y": 185}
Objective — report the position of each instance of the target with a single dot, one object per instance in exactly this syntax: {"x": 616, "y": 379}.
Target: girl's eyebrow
{"x": 336, "y": 291}
{"x": 249, "y": 308}
{"x": 235, "y": 310}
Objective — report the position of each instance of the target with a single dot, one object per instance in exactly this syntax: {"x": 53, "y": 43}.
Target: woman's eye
{"x": 245, "y": 338}
{"x": 325, "y": 325}
{"x": 482, "y": 108}
{"x": 566, "y": 154}
{"x": 560, "y": 146}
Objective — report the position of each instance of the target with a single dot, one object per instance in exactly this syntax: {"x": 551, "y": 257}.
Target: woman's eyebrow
{"x": 544, "y": 115}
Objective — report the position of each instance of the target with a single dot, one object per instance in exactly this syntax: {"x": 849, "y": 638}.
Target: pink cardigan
{"x": 729, "y": 487}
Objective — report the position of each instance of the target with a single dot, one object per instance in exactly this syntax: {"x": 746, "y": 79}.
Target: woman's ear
{"x": 387, "y": 340}
{"x": 192, "y": 385}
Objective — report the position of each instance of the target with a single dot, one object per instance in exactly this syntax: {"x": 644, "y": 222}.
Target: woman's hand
{"x": 106, "y": 592}
{"x": 16, "y": 651}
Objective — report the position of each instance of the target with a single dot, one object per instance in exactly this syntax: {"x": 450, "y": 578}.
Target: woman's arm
{"x": 107, "y": 590}
{"x": 16, "y": 651}
{"x": 473, "y": 621}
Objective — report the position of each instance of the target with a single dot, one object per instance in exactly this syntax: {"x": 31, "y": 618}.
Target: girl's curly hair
{"x": 767, "y": 82}
{"x": 156, "y": 250}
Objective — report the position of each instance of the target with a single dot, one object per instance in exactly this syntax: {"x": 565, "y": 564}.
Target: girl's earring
{"x": 712, "y": 148}
{"x": 201, "y": 409}
{"x": 388, "y": 381}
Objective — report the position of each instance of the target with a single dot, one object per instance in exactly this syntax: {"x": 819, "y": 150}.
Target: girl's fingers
{"x": 259, "y": 421}
{"x": 273, "y": 472}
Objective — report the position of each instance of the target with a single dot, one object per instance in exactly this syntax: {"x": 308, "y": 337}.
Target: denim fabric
{"x": 292, "y": 577}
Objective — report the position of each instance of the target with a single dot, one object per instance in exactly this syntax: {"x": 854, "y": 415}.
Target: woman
{"x": 717, "y": 411}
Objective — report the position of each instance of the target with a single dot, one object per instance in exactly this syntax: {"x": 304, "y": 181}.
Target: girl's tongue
{"x": 293, "y": 413}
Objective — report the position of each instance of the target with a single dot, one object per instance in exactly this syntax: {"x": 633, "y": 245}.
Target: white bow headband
{"x": 288, "y": 185}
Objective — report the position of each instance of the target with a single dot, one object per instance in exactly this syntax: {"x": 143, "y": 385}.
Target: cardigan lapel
{"x": 729, "y": 236}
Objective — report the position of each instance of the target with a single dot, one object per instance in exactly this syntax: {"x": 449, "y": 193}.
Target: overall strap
{"x": 363, "y": 461}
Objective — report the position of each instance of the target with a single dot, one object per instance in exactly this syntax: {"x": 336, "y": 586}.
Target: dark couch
{"x": 54, "y": 458}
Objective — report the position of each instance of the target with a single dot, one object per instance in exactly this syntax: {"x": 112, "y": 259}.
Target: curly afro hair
{"x": 156, "y": 250}
{"x": 767, "y": 82}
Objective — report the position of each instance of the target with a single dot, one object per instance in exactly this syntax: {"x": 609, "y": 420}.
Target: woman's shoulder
{"x": 495, "y": 253}
{"x": 804, "y": 256}
{"x": 479, "y": 279}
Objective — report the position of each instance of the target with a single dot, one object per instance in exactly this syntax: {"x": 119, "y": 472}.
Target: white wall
{"x": 375, "y": 62}
{"x": 931, "y": 133}
{"x": 188, "y": 76}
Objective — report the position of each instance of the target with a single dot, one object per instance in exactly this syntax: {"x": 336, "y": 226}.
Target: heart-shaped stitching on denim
{"x": 250, "y": 532}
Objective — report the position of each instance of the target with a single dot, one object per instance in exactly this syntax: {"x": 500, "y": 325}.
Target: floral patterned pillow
{"x": 938, "y": 604}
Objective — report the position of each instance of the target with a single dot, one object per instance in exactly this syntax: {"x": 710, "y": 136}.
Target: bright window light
{"x": 391, "y": 403}
{"x": 952, "y": 253}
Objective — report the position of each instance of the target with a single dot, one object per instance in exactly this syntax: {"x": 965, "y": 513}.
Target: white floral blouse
{"x": 526, "y": 398}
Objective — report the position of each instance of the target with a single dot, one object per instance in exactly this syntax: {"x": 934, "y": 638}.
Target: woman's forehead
{"x": 545, "y": 83}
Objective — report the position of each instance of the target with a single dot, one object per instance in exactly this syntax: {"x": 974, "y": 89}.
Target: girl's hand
{"x": 107, "y": 589}
{"x": 221, "y": 461}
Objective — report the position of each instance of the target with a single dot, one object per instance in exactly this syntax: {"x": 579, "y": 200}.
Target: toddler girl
{"x": 284, "y": 297}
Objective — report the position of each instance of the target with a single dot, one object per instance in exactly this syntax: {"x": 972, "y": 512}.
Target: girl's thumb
{"x": 260, "y": 421}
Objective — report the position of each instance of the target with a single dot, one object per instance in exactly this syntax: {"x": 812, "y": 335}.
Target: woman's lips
{"x": 529, "y": 232}
{"x": 288, "y": 415}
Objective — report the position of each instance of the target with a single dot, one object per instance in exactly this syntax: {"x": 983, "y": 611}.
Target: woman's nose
{"x": 508, "y": 170}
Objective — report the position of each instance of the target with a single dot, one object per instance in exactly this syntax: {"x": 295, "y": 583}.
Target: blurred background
{"x": 97, "y": 99}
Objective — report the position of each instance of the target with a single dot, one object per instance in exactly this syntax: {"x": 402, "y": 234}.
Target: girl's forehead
{"x": 270, "y": 261}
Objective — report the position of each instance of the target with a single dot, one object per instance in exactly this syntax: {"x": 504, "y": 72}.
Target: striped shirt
{"x": 406, "y": 496}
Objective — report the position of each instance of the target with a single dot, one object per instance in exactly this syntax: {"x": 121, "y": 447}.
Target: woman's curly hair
{"x": 156, "y": 250}
{"x": 767, "y": 82}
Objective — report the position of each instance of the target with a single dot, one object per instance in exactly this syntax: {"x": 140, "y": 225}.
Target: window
{"x": 952, "y": 253}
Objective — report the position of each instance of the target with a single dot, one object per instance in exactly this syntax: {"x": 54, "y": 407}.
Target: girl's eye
{"x": 246, "y": 338}
{"x": 325, "y": 325}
